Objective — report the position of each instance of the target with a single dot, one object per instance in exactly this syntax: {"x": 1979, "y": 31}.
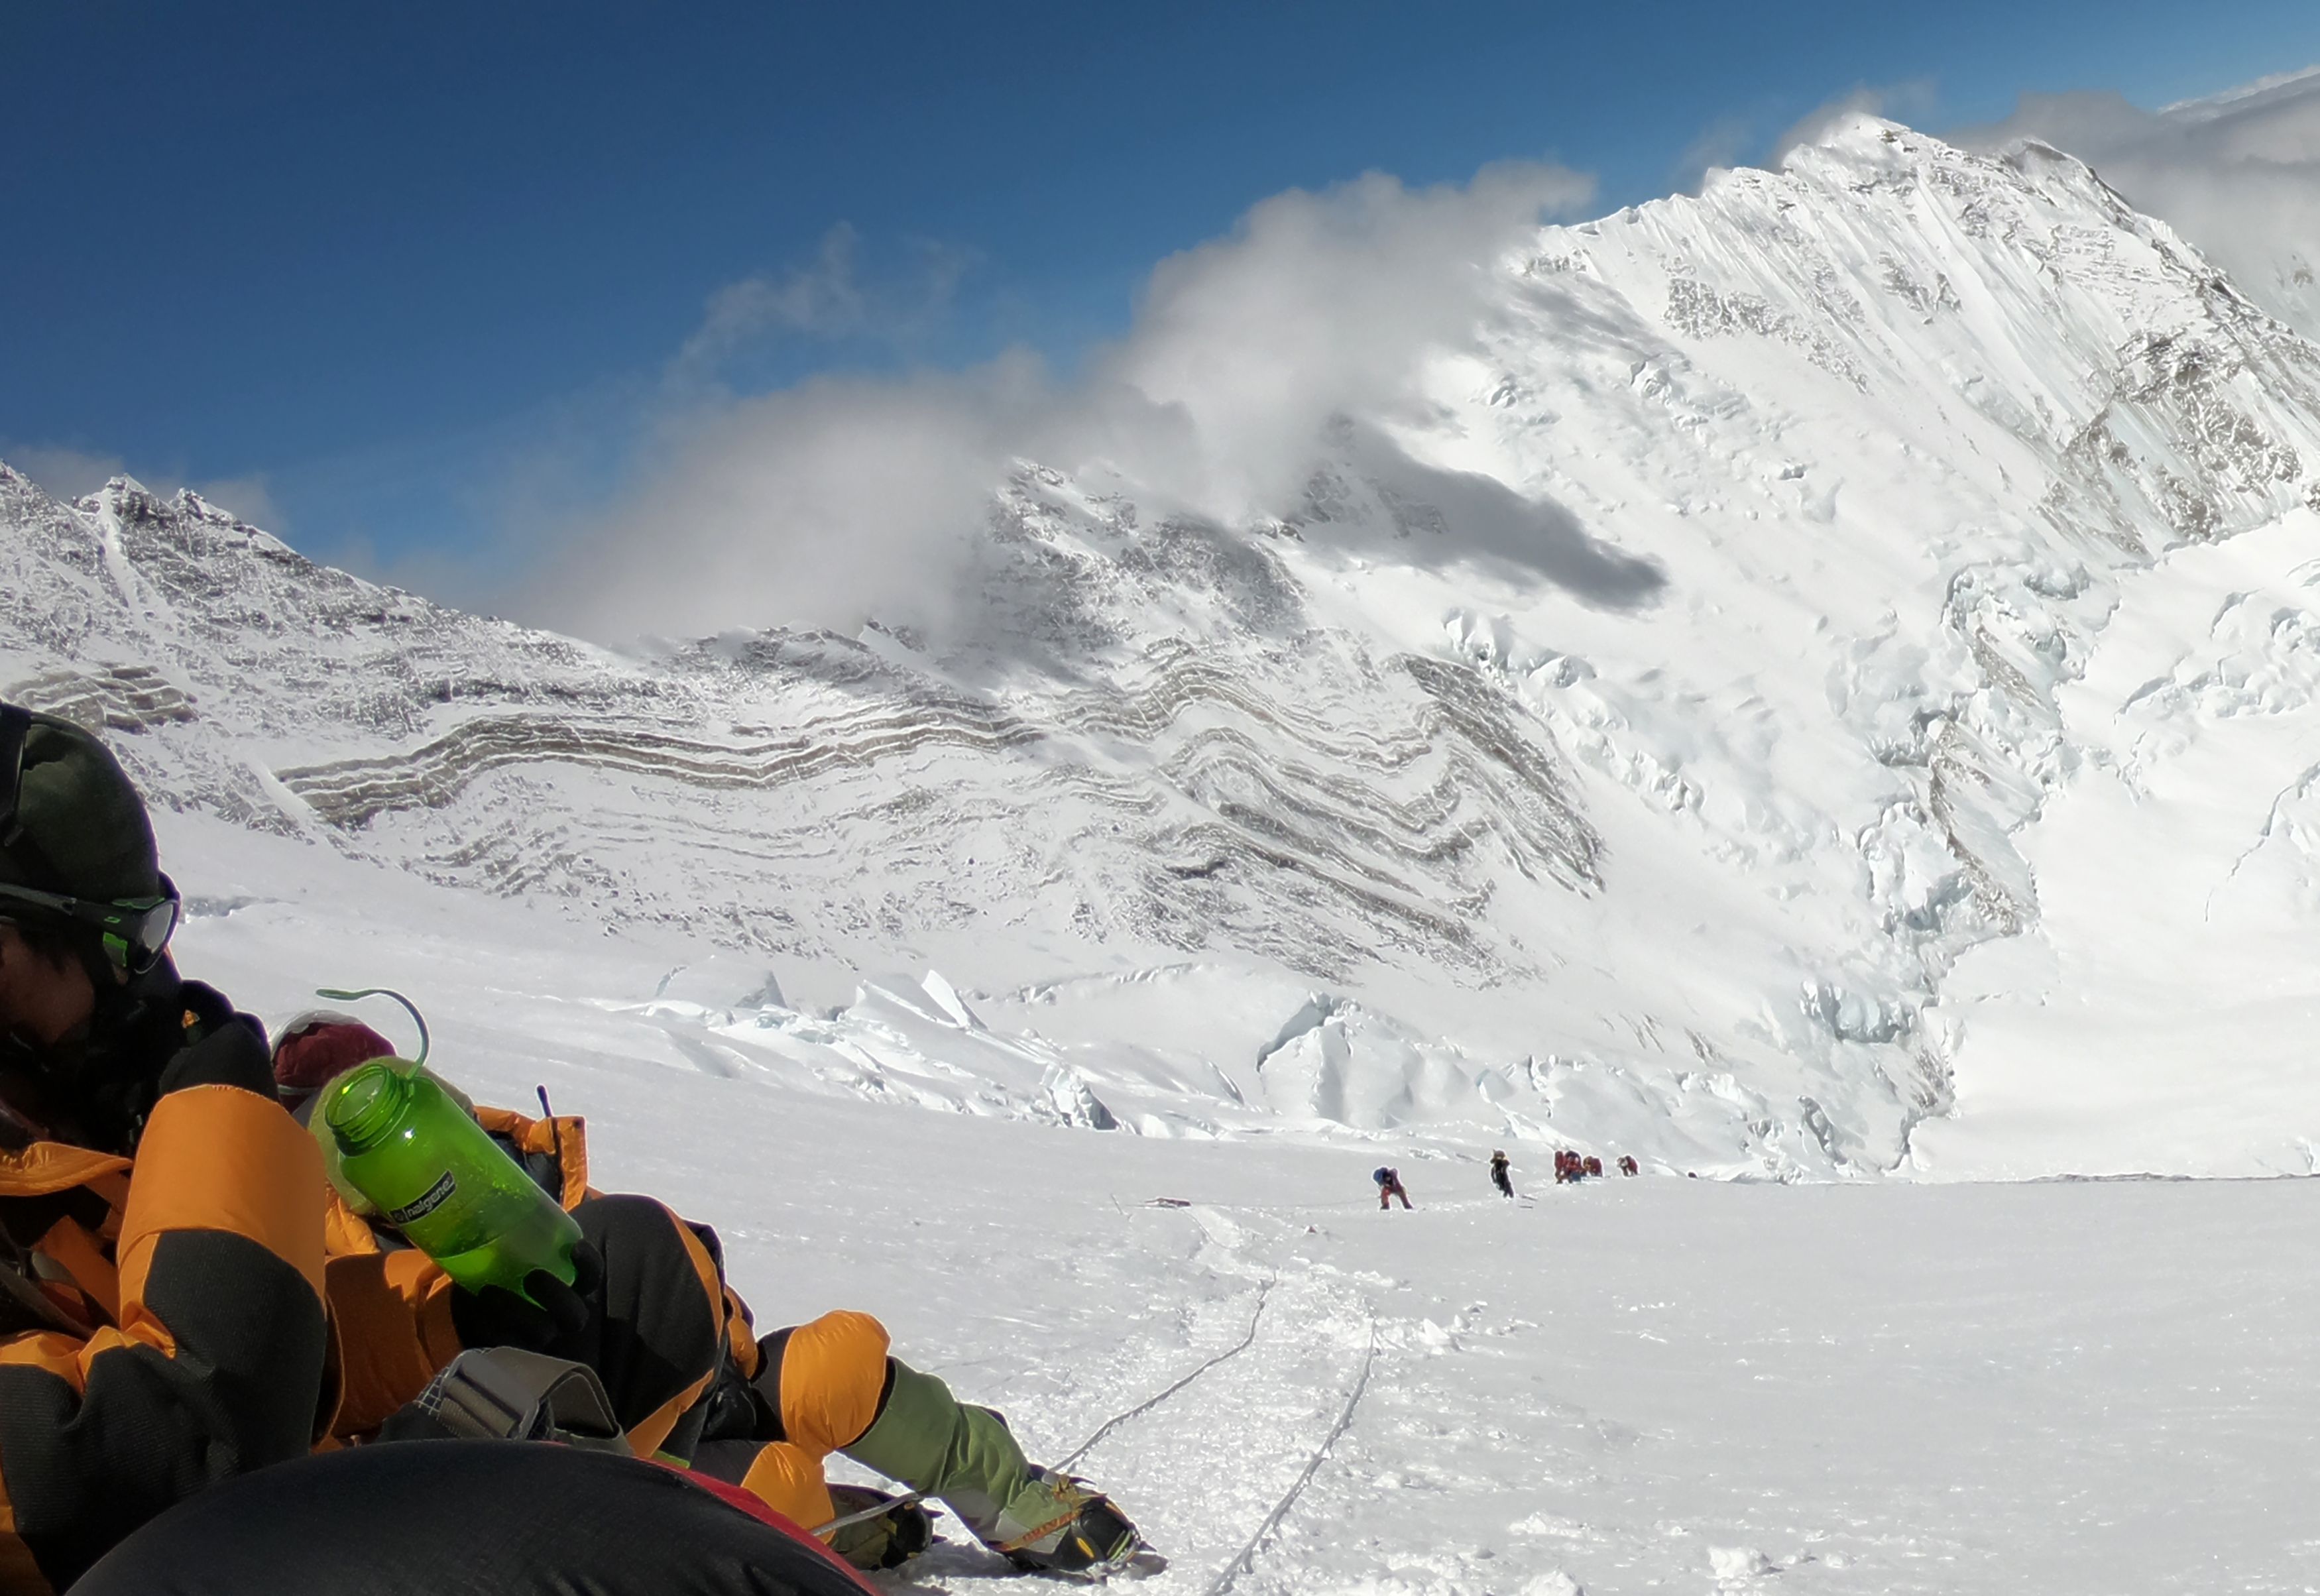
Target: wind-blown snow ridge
{"x": 1619, "y": 743}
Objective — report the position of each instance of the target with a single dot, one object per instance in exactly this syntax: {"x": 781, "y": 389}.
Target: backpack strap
{"x": 25, "y": 1307}
{"x": 507, "y": 1394}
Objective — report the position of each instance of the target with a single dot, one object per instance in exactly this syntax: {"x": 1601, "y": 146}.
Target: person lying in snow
{"x": 163, "y": 1325}
{"x": 687, "y": 1375}
{"x": 167, "y": 1324}
{"x": 172, "y": 1313}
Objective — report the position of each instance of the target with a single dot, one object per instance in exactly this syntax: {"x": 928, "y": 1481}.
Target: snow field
{"x": 1652, "y": 1384}
{"x": 1953, "y": 809}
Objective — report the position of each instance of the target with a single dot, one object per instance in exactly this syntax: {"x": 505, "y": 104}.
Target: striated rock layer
{"x": 1620, "y": 742}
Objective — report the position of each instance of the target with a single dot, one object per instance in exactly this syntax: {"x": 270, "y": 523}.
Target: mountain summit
{"x": 1625, "y": 738}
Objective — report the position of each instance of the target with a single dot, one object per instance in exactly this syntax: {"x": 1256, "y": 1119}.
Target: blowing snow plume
{"x": 2238, "y": 175}
{"x": 842, "y": 499}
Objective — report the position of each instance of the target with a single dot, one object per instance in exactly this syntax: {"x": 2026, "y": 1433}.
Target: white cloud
{"x": 244, "y": 496}
{"x": 830, "y": 299}
{"x": 1718, "y": 146}
{"x": 1314, "y": 305}
{"x": 825, "y": 504}
{"x": 68, "y": 474}
{"x": 843, "y": 498}
{"x": 2238, "y": 176}
{"x": 1902, "y": 102}
{"x": 823, "y": 299}
{"x": 65, "y": 473}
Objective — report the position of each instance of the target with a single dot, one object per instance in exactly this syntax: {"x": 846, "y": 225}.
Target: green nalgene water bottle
{"x": 439, "y": 1178}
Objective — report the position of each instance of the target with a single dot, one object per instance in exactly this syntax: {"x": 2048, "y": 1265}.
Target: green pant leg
{"x": 932, "y": 1442}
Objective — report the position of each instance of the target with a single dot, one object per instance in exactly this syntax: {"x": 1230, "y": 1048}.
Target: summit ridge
{"x": 1623, "y": 739}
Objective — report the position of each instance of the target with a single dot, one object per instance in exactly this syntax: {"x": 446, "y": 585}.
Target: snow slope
{"x": 1619, "y": 743}
{"x": 2237, "y": 173}
{"x": 1819, "y": 682}
{"x": 2163, "y": 1018}
{"x": 2075, "y": 1387}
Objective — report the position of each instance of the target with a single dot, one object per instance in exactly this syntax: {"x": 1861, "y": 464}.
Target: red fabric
{"x": 315, "y": 1053}
{"x": 733, "y": 1496}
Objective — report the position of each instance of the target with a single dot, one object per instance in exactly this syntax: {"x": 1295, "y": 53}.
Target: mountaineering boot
{"x": 1058, "y": 1525}
{"x": 875, "y": 1540}
{"x": 967, "y": 1456}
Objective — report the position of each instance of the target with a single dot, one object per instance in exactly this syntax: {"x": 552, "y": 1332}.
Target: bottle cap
{"x": 365, "y": 1105}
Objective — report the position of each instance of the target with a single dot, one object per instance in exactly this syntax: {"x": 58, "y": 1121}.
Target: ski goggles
{"x": 135, "y": 931}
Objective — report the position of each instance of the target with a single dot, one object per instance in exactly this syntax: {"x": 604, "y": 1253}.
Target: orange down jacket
{"x": 390, "y": 1303}
{"x": 164, "y": 1330}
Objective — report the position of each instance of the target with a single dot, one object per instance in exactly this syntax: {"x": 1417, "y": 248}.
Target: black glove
{"x": 233, "y": 1054}
{"x": 558, "y": 1319}
{"x": 887, "y": 1541}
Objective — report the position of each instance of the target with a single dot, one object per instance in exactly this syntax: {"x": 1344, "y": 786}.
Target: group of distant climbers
{"x": 1570, "y": 1168}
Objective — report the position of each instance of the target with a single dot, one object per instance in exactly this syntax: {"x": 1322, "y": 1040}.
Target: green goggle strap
{"x": 134, "y": 933}
{"x": 338, "y": 995}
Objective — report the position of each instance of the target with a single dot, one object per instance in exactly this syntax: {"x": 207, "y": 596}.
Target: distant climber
{"x": 1593, "y": 1168}
{"x": 1568, "y": 1168}
{"x": 1627, "y": 1164}
{"x": 1499, "y": 1176}
{"x": 1388, "y": 1185}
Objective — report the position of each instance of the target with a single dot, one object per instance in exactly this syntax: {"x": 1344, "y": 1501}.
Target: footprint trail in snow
{"x": 1241, "y": 1434}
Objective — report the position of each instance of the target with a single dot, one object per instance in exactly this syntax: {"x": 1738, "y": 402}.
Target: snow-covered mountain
{"x": 2237, "y": 173}
{"x": 1622, "y": 741}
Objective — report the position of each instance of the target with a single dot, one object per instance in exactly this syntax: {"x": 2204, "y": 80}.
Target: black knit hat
{"x": 78, "y": 826}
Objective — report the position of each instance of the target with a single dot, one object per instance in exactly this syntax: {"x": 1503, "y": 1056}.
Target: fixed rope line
{"x": 1233, "y": 1570}
{"x": 1116, "y": 1420}
{"x": 1109, "y": 1425}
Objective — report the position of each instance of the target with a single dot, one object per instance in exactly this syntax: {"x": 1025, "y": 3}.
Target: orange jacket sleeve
{"x": 217, "y": 1362}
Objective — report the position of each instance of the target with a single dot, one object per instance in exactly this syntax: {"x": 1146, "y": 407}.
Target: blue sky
{"x": 408, "y": 276}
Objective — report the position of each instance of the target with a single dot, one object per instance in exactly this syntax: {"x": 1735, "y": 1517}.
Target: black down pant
{"x": 463, "y": 1518}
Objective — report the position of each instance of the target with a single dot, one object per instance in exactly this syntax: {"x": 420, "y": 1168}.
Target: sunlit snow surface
{"x": 1822, "y": 684}
{"x": 1656, "y": 1384}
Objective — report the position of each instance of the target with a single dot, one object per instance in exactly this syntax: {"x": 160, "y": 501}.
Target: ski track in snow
{"x": 1688, "y": 1386}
